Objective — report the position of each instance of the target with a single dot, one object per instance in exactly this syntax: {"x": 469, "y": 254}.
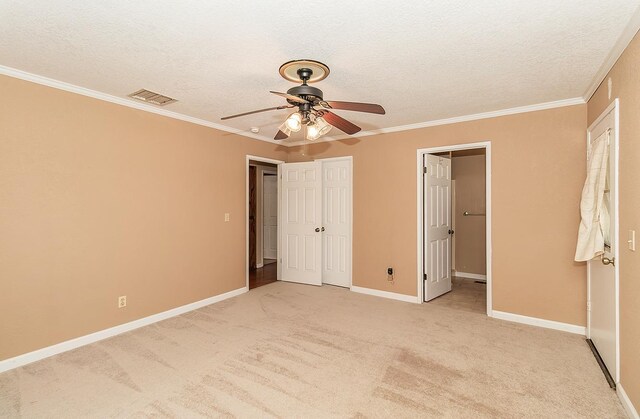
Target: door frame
{"x": 249, "y": 157}
{"x": 420, "y": 211}
{"x": 272, "y": 173}
{"x": 615, "y": 108}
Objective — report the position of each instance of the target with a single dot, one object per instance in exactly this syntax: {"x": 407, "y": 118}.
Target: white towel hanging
{"x": 593, "y": 222}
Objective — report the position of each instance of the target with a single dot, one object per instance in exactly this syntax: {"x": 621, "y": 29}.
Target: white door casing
{"x": 301, "y": 222}
{"x": 603, "y": 288}
{"x": 336, "y": 216}
{"x": 270, "y": 216}
{"x": 437, "y": 226}
{"x": 278, "y": 163}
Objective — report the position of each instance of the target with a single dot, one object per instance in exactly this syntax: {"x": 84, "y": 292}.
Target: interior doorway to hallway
{"x": 262, "y": 221}
{"x": 454, "y": 212}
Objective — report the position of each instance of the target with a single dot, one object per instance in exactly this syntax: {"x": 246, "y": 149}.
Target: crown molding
{"x": 45, "y": 81}
{"x": 454, "y": 120}
{"x": 125, "y": 101}
{"x": 621, "y": 44}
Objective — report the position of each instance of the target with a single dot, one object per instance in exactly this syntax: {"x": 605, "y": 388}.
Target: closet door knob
{"x": 317, "y": 229}
{"x": 322, "y": 229}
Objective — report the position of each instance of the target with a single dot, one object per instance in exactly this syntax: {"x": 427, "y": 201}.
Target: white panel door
{"x": 437, "y": 226}
{"x": 301, "y": 223}
{"x": 603, "y": 282}
{"x": 336, "y": 216}
{"x": 270, "y": 216}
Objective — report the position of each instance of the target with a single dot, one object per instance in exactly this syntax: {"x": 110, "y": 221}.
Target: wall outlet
{"x": 122, "y": 301}
{"x": 226, "y": 217}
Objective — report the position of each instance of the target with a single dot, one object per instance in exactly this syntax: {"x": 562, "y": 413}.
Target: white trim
{"x": 37, "y": 355}
{"x": 131, "y": 103}
{"x": 259, "y": 265}
{"x": 419, "y": 157}
{"x": 249, "y": 157}
{"x": 626, "y": 402}
{"x": 470, "y": 275}
{"x": 385, "y": 294}
{"x": 613, "y": 105}
{"x": 271, "y": 173}
{"x": 454, "y": 120}
{"x": 614, "y": 54}
{"x": 126, "y": 101}
{"x": 534, "y": 321}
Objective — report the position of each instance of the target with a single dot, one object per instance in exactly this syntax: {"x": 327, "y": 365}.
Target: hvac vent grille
{"x": 152, "y": 97}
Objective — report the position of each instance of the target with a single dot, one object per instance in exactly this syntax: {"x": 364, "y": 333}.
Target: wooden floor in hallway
{"x": 263, "y": 276}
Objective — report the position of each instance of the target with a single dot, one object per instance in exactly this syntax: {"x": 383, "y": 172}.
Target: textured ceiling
{"x": 422, "y": 60}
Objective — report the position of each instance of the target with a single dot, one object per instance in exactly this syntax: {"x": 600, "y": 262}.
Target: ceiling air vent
{"x": 152, "y": 97}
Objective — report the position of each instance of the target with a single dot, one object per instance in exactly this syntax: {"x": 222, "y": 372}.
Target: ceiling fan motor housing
{"x": 307, "y": 92}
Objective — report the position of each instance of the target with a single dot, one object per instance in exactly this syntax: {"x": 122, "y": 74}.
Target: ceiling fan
{"x": 313, "y": 111}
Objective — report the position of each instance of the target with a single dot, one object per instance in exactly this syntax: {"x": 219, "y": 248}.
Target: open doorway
{"x": 262, "y": 221}
{"x": 454, "y": 219}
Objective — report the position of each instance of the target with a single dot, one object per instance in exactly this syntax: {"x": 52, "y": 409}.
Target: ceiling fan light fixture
{"x": 312, "y": 131}
{"x": 317, "y": 129}
{"x": 294, "y": 122}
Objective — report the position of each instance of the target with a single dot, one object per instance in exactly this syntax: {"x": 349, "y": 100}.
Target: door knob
{"x": 322, "y": 229}
{"x": 317, "y": 229}
{"x": 607, "y": 261}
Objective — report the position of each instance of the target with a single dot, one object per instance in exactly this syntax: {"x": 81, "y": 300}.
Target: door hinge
{"x": 425, "y": 277}
{"x": 588, "y": 305}
{"x": 424, "y": 169}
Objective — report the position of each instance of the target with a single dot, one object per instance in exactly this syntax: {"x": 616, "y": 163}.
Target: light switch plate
{"x": 226, "y": 217}
{"x": 632, "y": 240}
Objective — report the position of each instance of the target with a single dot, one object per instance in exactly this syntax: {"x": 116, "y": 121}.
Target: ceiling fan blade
{"x": 290, "y": 97}
{"x": 280, "y": 135}
{"x": 340, "y": 123}
{"x": 356, "y": 106}
{"x": 259, "y": 110}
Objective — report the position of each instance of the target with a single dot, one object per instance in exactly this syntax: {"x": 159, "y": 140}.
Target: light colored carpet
{"x": 290, "y": 350}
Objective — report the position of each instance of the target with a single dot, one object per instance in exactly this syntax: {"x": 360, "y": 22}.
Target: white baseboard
{"x": 470, "y": 275}
{"x": 534, "y": 321}
{"x": 626, "y": 402}
{"x": 68, "y": 345}
{"x": 385, "y": 294}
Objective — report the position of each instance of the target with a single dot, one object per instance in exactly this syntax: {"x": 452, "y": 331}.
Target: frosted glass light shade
{"x": 294, "y": 122}
{"x": 317, "y": 129}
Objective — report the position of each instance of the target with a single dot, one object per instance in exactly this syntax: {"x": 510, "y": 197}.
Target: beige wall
{"x": 99, "y": 200}
{"x": 470, "y": 195}
{"x": 538, "y": 169}
{"x": 626, "y": 86}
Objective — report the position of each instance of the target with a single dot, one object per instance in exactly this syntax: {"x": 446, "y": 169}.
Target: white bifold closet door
{"x": 316, "y": 222}
{"x": 336, "y": 219}
{"x": 302, "y": 223}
